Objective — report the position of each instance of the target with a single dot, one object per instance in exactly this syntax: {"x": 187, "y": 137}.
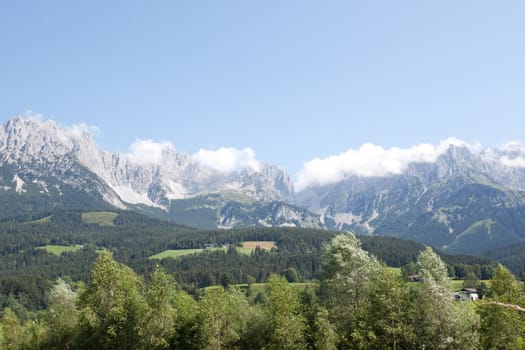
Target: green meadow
{"x": 177, "y": 253}
{"x": 60, "y": 249}
{"x": 102, "y": 218}
{"x": 246, "y": 248}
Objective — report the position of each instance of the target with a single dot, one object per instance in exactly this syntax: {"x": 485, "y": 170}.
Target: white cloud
{"x": 148, "y": 152}
{"x": 512, "y": 146}
{"x": 77, "y": 130}
{"x": 227, "y": 159}
{"x": 29, "y": 114}
{"x": 518, "y": 162}
{"x": 509, "y": 154}
{"x": 66, "y": 134}
{"x": 371, "y": 161}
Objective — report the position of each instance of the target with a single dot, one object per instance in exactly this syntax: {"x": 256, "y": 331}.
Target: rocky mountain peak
{"x": 30, "y": 136}
{"x": 457, "y": 161}
{"x": 152, "y": 181}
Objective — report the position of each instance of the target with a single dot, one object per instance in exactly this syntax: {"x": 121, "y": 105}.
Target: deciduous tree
{"x": 222, "y": 317}
{"x": 287, "y": 325}
{"x": 442, "y": 323}
{"x": 346, "y": 280}
{"x": 61, "y": 316}
{"x": 502, "y": 327}
{"x": 112, "y": 307}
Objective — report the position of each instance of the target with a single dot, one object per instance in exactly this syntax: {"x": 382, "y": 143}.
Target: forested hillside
{"x": 359, "y": 303}
{"x": 512, "y": 256}
{"x": 34, "y": 252}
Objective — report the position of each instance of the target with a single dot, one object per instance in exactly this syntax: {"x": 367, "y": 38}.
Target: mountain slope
{"x": 39, "y": 174}
{"x": 45, "y": 167}
{"x": 461, "y": 202}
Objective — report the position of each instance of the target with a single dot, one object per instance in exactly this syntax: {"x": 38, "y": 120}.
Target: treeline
{"x": 206, "y": 269}
{"x": 512, "y": 257}
{"x": 359, "y": 304}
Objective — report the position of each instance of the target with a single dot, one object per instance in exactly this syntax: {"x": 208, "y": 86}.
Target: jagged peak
{"x": 172, "y": 173}
{"x": 32, "y": 133}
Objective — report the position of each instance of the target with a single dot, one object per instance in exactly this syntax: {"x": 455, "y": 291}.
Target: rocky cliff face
{"x": 37, "y": 155}
{"x": 275, "y": 214}
{"x": 175, "y": 175}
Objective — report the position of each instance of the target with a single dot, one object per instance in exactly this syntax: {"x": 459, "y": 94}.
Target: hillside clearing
{"x": 177, "y": 253}
{"x": 265, "y": 245}
{"x": 246, "y": 248}
{"x": 60, "y": 249}
{"x": 102, "y": 218}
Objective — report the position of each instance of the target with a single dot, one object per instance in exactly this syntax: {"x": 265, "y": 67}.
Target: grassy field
{"x": 40, "y": 221}
{"x": 266, "y": 245}
{"x": 247, "y": 248}
{"x": 59, "y": 249}
{"x": 102, "y": 218}
{"x": 458, "y": 284}
{"x": 395, "y": 269}
{"x": 176, "y": 253}
{"x": 245, "y": 251}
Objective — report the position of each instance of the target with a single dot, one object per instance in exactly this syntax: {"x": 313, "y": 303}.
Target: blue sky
{"x": 293, "y": 80}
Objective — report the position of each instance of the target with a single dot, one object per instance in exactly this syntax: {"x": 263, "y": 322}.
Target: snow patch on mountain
{"x": 128, "y": 195}
{"x": 347, "y": 218}
{"x": 176, "y": 191}
{"x": 288, "y": 224}
{"x": 19, "y": 184}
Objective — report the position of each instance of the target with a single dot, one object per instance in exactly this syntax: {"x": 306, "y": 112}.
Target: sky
{"x": 285, "y": 82}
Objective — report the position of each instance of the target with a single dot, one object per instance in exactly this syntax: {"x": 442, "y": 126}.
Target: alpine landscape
{"x": 278, "y": 175}
{"x": 459, "y": 200}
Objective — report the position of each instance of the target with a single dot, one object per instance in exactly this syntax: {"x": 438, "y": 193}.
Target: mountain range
{"x": 464, "y": 200}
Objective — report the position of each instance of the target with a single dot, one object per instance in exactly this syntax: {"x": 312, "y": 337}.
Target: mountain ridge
{"x": 453, "y": 200}
{"x": 42, "y": 153}
{"x": 439, "y": 203}
{"x": 175, "y": 175}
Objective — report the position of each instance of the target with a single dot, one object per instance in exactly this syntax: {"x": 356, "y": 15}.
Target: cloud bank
{"x": 371, "y": 161}
{"x": 224, "y": 159}
{"x": 227, "y": 159}
{"x": 509, "y": 154}
{"x": 517, "y": 162}
{"x": 148, "y": 152}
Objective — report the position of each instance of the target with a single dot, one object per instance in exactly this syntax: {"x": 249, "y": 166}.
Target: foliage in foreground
{"x": 360, "y": 304}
